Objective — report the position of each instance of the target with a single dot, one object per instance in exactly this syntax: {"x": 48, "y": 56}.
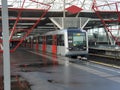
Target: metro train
{"x": 67, "y": 42}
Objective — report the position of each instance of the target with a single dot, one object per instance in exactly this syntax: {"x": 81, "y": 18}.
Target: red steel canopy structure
{"x": 74, "y": 9}
{"x": 26, "y": 19}
{"x": 18, "y": 16}
{"x": 109, "y": 8}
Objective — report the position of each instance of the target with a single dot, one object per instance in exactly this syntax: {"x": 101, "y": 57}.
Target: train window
{"x": 40, "y": 39}
{"x": 60, "y": 40}
{"x": 49, "y": 39}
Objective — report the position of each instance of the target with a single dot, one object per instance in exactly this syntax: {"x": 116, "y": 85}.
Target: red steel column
{"x": 44, "y": 44}
{"x": 54, "y": 44}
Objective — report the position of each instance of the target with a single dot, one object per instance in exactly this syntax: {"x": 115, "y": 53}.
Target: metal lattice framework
{"x": 113, "y": 7}
{"x": 19, "y": 8}
{"x": 57, "y": 5}
{"x": 43, "y": 8}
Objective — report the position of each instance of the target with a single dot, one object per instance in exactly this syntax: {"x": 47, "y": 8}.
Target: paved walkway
{"x": 46, "y": 72}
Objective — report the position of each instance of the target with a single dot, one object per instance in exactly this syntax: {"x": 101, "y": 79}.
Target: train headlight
{"x": 74, "y": 44}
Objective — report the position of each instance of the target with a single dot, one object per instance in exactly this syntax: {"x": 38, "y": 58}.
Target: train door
{"x": 54, "y": 44}
{"x": 44, "y": 44}
{"x": 61, "y": 44}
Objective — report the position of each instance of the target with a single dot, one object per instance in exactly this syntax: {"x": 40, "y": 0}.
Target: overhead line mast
{"x": 6, "y": 49}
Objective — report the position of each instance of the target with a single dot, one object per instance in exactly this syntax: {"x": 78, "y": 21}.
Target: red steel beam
{"x": 95, "y": 8}
{"x": 24, "y": 18}
{"x": 17, "y": 19}
{"x": 34, "y": 25}
{"x": 38, "y": 19}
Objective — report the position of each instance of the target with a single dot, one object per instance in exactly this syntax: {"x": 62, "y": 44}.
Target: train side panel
{"x": 49, "y": 48}
{"x": 61, "y": 43}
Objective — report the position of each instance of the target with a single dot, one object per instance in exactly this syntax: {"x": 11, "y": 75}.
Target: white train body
{"x": 67, "y": 42}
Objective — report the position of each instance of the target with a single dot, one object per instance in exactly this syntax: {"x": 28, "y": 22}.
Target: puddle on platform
{"x": 31, "y": 67}
{"x": 63, "y": 82}
{"x": 38, "y": 64}
{"x": 17, "y": 83}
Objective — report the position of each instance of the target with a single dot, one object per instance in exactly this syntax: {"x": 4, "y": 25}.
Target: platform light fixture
{"x": 25, "y": 23}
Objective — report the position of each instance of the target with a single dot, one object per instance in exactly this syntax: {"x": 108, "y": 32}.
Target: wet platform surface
{"x": 48, "y": 72}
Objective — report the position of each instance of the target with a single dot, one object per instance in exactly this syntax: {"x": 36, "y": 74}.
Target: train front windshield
{"x": 77, "y": 41}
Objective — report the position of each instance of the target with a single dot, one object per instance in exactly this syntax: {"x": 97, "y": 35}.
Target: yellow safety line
{"x": 109, "y": 65}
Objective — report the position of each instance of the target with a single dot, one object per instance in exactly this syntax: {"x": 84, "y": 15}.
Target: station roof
{"x": 29, "y": 16}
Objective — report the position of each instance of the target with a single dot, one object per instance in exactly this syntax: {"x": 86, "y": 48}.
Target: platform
{"x": 106, "y": 51}
{"x": 48, "y": 72}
